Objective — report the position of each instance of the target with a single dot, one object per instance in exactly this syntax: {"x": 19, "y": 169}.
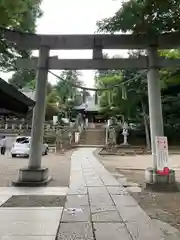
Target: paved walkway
{"x": 97, "y": 208}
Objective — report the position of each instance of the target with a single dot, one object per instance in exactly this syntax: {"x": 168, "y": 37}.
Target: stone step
{"x": 93, "y": 137}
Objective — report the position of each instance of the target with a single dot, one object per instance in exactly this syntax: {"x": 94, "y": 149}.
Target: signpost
{"x": 161, "y": 152}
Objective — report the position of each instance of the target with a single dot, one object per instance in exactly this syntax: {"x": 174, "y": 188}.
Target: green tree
{"x": 21, "y": 79}
{"x": 152, "y": 17}
{"x": 18, "y": 15}
{"x": 65, "y": 90}
{"x": 144, "y": 16}
{"x": 110, "y": 99}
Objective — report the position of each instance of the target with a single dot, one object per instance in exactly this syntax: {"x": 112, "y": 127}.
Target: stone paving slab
{"x": 75, "y": 231}
{"x": 28, "y": 228}
{"x": 95, "y": 209}
{"x": 81, "y": 214}
{"x": 121, "y": 200}
{"x": 132, "y": 213}
{"x": 28, "y": 238}
{"x": 77, "y": 191}
{"x": 101, "y": 201}
{"x": 145, "y": 231}
{"x": 30, "y": 214}
{"x": 110, "y": 182}
{"x": 107, "y": 231}
{"x": 94, "y": 184}
{"x": 106, "y": 216}
{"x": 33, "y": 191}
{"x": 97, "y": 190}
{"x": 29, "y": 222}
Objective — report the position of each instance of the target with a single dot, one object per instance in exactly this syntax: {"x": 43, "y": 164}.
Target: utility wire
{"x": 97, "y": 89}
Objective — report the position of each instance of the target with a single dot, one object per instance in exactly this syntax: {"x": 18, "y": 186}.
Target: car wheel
{"x": 13, "y": 155}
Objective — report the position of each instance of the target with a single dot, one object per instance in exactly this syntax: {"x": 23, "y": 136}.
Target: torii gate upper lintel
{"x": 84, "y": 42}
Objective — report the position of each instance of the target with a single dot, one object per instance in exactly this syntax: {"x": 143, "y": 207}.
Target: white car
{"x": 22, "y": 145}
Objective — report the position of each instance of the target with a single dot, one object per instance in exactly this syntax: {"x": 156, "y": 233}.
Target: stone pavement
{"x": 97, "y": 208}
{"x": 33, "y": 223}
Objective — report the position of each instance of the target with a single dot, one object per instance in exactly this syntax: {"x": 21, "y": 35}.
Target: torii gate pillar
{"x": 34, "y": 174}
{"x": 153, "y": 178}
{"x": 154, "y": 96}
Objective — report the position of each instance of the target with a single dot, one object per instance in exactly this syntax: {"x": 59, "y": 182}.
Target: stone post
{"x": 125, "y": 134}
{"x": 154, "y": 96}
{"x": 35, "y": 174}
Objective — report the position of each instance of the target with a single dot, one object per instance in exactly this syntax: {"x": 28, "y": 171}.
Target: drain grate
{"x": 35, "y": 201}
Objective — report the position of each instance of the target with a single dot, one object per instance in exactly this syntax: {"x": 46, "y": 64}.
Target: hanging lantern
{"x": 124, "y": 93}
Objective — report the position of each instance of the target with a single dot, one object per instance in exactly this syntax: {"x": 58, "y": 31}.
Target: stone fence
{"x": 22, "y": 126}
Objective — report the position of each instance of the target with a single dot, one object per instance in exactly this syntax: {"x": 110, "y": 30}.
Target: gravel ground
{"x": 35, "y": 201}
{"x": 158, "y": 205}
{"x": 59, "y": 168}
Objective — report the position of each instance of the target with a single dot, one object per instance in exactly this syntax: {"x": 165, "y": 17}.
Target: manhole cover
{"x": 35, "y": 201}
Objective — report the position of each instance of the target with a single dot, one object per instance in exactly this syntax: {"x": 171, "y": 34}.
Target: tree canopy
{"x": 144, "y": 16}
{"x": 23, "y": 78}
{"x": 18, "y": 15}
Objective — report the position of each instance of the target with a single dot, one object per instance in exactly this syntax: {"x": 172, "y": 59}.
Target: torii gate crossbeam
{"x": 84, "y": 42}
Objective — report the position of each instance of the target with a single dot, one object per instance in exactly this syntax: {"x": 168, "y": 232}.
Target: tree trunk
{"x": 146, "y": 126}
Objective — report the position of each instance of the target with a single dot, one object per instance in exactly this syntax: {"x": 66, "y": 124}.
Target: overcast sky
{"x": 75, "y": 17}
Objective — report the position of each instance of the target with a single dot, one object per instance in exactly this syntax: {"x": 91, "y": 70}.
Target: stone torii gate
{"x": 34, "y": 174}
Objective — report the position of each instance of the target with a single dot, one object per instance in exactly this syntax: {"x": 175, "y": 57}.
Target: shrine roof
{"x": 13, "y": 101}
